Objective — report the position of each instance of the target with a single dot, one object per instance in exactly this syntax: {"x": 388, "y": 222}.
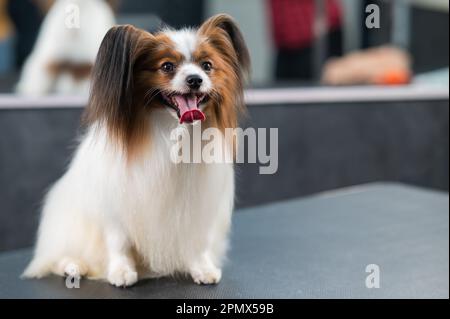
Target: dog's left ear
{"x": 223, "y": 24}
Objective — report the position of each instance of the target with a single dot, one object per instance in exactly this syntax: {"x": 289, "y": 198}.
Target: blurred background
{"x": 290, "y": 40}
{"x": 358, "y": 92}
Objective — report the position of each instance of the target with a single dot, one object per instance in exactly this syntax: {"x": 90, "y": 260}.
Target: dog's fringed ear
{"x": 112, "y": 82}
{"x": 226, "y": 23}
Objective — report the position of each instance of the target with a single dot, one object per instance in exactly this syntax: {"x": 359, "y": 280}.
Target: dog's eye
{"x": 168, "y": 67}
{"x": 207, "y": 66}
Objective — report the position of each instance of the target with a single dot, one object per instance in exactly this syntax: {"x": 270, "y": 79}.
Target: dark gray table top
{"x": 316, "y": 247}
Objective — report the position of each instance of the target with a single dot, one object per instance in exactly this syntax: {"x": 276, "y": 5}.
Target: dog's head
{"x": 195, "y": 74}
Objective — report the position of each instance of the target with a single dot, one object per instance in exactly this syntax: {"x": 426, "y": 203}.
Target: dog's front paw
{"x": 122, "y": 275}
{"x": 71, "y": 267}
{"x": 206, "y": 275}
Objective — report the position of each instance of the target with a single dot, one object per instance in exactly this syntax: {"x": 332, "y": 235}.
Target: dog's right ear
{"x": 112, "y": 82}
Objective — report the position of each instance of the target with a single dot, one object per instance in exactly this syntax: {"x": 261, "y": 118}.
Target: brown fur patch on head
{"x": 150, "y": 79}
{"x": 126, "y": 79}
{"x": 223, "y": 45}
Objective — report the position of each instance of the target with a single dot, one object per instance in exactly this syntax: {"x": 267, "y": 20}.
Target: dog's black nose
{"x": 194, "y": 81}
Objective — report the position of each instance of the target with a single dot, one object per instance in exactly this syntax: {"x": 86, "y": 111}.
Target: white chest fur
{"x": 170, "y": 214}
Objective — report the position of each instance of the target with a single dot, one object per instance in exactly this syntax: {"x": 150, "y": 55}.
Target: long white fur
{"x": 175, "y": 217}
{"x": 56, "y": 42}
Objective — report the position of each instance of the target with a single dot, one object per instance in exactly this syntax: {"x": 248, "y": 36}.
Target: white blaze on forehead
{"x": 185, "y": 41}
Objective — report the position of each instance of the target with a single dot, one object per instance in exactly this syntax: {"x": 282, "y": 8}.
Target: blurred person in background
{"x": 294, "y": 36}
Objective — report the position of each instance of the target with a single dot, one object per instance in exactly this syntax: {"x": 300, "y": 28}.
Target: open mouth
{"x": 186, "y": 105}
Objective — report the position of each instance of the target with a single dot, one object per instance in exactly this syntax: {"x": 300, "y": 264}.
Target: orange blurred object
{"x": 394, "y": 77}
{"x": 380, "y": 66}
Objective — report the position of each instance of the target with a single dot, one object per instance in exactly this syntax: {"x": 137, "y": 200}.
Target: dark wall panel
{"x": 321, "y": 147}
{"x": 35, "y": 147}
{"x": 324, "y": 147}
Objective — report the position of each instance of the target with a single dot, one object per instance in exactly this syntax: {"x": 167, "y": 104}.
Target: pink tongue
{"x": 189, "y": 111}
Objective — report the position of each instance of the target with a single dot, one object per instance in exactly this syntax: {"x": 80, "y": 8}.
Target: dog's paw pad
{"x": 122, "y": 276}
{"x": 207, "y": 276}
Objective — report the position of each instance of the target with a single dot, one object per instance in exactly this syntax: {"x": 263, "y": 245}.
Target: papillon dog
{"x": 124, "y": 210}
{"x": 66, "y": 47}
